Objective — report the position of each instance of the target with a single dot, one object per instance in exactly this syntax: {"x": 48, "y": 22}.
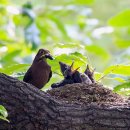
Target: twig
{"x": 57, "y": 73}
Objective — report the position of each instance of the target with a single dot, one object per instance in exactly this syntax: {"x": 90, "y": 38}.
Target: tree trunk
{"x": 32, "y": 109}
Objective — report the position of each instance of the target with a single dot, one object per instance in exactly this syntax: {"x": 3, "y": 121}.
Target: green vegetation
{"x": 3, "y": 113}
{"x": 85, "y": 31}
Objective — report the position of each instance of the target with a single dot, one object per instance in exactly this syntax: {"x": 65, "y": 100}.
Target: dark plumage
{"x": 63, "y": 67}
{"x": 90, "y": 74}
{"x": 40, "y": 72}
{"x": 66, "y": 72}
{"x": 73, "y": 76}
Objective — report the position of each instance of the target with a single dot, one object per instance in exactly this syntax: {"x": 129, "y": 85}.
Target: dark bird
{"x": 66, "y": 71}
{"x": 79, "y": 77}
{"x": 40, "y": 72}
{"x": 90, "y": 74}
{"x": 73, "y": 75}
{"x": 70, "y": 75}
{"x": 63, "y": 67}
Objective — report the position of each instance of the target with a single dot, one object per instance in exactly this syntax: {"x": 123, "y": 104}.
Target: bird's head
{"x": 63, "y": 67}
{"x": 68, "y": 73}
{"x": 43, "y": 54}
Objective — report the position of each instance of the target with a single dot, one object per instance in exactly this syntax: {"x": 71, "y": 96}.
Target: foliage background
{"x": 94, "y": 32}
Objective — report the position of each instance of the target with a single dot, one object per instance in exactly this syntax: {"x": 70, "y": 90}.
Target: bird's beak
{"x": 71, "y": 67}
{"x": 49, "y": 56}
{"x": 75, "y": 70}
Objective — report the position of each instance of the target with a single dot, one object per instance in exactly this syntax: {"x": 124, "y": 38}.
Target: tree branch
{"x": 32, "y": 109}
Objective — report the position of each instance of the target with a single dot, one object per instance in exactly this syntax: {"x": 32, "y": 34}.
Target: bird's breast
{"x": 41, "y": 75}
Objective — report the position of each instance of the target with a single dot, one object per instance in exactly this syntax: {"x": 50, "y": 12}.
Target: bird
{"x": 70, "y": 75}
{"x": 73, "y": 75}
{"x": 63, "y": 67}
{"x": 39, "y": 72}
{"x": 66, "y": 72}
{"x": 79, "y": 77}
{"x": 70, "y": 72}
{"x": 90, "y": 74}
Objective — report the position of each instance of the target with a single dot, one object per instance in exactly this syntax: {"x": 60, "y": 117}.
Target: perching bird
{"x": 40, "y": 72}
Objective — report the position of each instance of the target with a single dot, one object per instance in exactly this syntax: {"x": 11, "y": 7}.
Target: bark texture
{"x": 32, "y": 109}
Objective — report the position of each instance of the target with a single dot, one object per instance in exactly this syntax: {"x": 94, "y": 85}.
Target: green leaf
{"x": 124, "y": 92}
{"x": 9, "y": 55}
{"x": 78, "y": 58}
{"x": 3, "y": 111}
{"x": 124, "y": 85}
{"x": 98, "y": 51}
{"x": 14, "y": 68}
{"x": 122, "y": 43}
{"x": 82, "y": 2}
{"x": 19, "y": 20}
{"x": 4, "y": 2}
{"x": 59, "y": 24}
{"x": 97, "y": 76}
{"x": 120, "y": 20}
{"x": 119, "y": 79}
{"x": 69, "y": 45}
{"x": 123, "y": 88}
{"x": 3, "y": 118}
{"x": 118, "y": 69}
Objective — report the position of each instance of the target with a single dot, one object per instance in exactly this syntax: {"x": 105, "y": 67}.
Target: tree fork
{"x": 31, "y": 109}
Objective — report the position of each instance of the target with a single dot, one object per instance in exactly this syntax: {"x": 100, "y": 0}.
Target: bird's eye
{"x": 41, "y": 52}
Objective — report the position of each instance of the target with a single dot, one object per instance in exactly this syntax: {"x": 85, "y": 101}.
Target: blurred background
{"x": 94, "y": 32}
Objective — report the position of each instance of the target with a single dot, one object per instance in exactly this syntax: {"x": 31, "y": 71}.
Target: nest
{"x": 80, "y": 93}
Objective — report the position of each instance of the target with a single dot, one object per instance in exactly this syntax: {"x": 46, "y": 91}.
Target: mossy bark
{"x": 32, "y": 109}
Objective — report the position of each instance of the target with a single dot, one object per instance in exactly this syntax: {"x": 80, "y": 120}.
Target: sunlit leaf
{"x": 119, "y": 79}
{"x": 70, "y": 45}
{"x": 123, "y": 88}
{"x": 122, "y": 43}
{"x": 14, "y": 68}
{"x": 4, "y": 35}
{"x": 121, "y": 19}
{"x": 124, "y": 85}
{"x": 10, "y": 55}
{"x": 97, "y": 76}
{"x": 19, "y": 20}
{"x": 78, "y": 58}
{"x": 3, "y": 118}
{"x": 83, "y": 2}
{"x": 118, "y": 69}
{"x": 98, "y": 51}
{"x": 124, "y": 92}
{"x": 3, "y": 113}
{"x": 59, "y": 24}
{"x": 4, "y": 2}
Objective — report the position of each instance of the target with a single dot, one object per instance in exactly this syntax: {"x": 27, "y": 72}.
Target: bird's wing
{"x": 50, "y": 75}
{"x": 28, "y": 75}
